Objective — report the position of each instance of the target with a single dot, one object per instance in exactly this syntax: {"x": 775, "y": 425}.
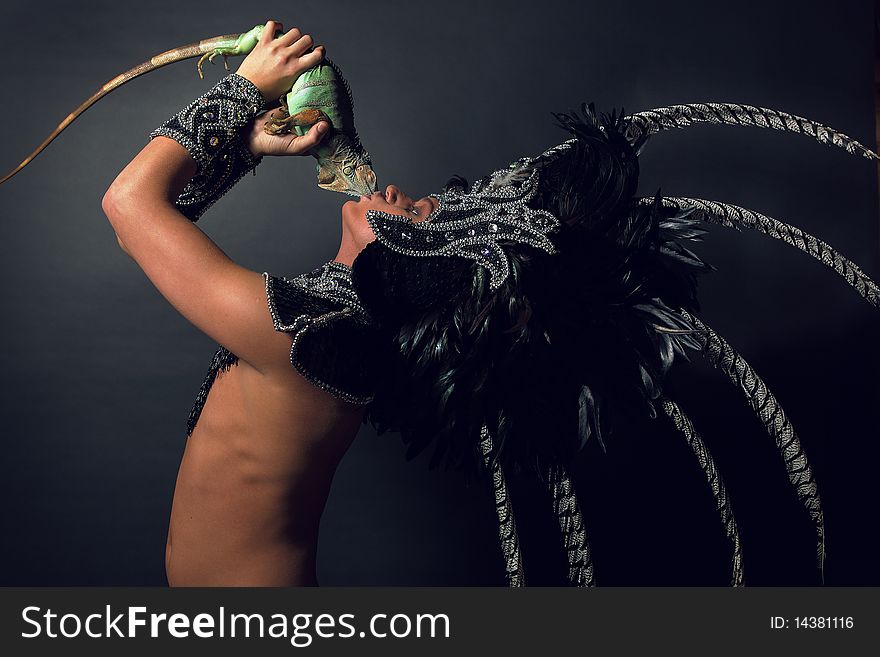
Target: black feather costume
{"x": 513, "y": 373}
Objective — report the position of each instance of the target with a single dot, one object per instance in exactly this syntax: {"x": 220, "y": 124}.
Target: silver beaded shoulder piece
{"x": 473, "y": 224}
{"x": 332, "y": 331}
{"x": 209, "y": 129}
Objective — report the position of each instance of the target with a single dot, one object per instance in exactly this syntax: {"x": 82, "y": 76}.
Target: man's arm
{"x": 222, "y": 299}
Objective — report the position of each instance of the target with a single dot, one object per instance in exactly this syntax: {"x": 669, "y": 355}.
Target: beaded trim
{"x": 222, "y": 360}
{"x": 331, "y": 281}
{"x": 472, "y": 224}
{"x": 209, "y": 129}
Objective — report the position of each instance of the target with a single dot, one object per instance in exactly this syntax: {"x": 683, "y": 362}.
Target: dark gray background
{"x": 100, "y": 372}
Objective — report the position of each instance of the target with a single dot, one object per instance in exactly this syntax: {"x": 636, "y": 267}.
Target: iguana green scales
{"x": 320, "y": 93}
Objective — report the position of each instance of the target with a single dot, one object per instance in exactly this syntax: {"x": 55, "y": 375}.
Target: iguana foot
{"x": 282, "y": 123}
{"x": 210, "y": 57}
{"x": 199, "y": 65}
{"x": 231, "y": 45}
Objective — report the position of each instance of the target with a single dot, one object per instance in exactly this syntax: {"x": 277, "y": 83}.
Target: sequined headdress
{"x": 474, "y": 224}
{"x": 534, "y": 308}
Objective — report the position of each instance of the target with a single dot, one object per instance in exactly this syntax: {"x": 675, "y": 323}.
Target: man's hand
{"x": 274, "y": 64}
{"x": 261, "y": 143}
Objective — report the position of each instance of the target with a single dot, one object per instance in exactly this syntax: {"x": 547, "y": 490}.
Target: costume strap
{"x": 210, "y": 129}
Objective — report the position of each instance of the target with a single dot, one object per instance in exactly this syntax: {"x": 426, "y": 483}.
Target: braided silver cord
{"x": 571, "y": 523}
{"x": 555, "y": 151}
{"x": 510, "y": 547}
{"x": 684, "y": 426}
{"x": 767, "y": 408}
{"x": 736, "y": 217}
{"x": 678, "y": 116}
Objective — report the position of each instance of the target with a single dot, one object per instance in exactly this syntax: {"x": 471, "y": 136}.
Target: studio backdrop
{"x": 99, "y": 371}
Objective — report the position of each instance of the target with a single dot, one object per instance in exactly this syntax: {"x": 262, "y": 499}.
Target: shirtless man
{"x": 257, "y": 469}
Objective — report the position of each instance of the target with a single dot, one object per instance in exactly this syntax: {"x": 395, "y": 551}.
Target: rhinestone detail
{"x": 473, "y": 224}
{"x": 209, "y": 129}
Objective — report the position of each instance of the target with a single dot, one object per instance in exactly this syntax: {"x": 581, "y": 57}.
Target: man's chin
{"x": 354, "y": 214}
{"x": 350, "y": 209}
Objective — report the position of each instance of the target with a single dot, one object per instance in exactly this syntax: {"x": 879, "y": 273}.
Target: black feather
{"x": 595, "y": 326}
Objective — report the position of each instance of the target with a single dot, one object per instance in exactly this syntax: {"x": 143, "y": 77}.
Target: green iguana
{"x": 320, "y": 93}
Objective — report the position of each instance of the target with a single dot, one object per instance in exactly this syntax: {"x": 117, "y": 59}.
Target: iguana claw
{"x": 201, "y": 61}
{"x": 223, "y": 55}
{"x": 210, "y": 57}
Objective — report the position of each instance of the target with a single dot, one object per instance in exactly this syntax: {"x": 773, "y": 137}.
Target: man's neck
{"x": 348, "y": 250}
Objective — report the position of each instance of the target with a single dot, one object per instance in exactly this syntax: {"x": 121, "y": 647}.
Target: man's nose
{"x": 395, "y": 194}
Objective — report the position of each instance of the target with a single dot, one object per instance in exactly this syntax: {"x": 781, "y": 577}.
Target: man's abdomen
{"x": 254, "y": 480}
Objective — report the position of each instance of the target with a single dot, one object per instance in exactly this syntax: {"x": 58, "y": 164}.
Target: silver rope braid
{"x": 555, "y": 151}
{"x": 684, "y": 426}
{"x": 736, "y": 217}
{"x": 510, "y": 548}
{"x": 765, "y": 405}
{"x": 571, "y": 523}
{"x": 678, "y": 116}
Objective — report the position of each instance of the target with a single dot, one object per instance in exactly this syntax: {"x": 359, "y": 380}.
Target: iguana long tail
{"x": 206, "y": 48}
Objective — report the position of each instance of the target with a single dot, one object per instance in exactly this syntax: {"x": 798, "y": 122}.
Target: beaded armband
{"x": 209, "y": 128}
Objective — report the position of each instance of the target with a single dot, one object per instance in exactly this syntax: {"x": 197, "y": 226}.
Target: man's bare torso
{"x": 254, "y": 480}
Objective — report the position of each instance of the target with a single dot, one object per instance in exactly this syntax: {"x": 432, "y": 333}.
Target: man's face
{"x": 392, "y": 201}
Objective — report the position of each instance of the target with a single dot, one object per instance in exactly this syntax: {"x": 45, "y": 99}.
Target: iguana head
{"x": 322, "y": 94}
{"x": 343, "y": 166}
